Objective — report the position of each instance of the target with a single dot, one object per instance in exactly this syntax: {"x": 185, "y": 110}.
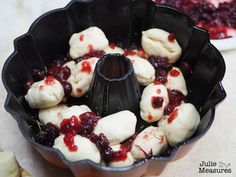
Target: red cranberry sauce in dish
{"x": 217, "y": 16}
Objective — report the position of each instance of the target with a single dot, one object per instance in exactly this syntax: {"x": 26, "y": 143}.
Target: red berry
{"x": 171, "y": 37}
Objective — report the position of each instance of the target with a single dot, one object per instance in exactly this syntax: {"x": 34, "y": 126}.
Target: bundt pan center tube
{"x": 122, "y": 22}
{"x": 114, "y": 87}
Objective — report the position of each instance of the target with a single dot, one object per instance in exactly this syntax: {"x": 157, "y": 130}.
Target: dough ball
{"x": 176, "y": 81}
{"x": 46, "y": 93}
{"x": 180, "y": 124}
{"x": 52, "y": 114}
{"x": 151, "y": 141}
{"x": 153, "y": 102}
{"x": 156, "y": 42}
{"x": 85, "y": 149}
{"x": 87, "y": 41}
{"x": 144, "y": 71}
{"x": 81, "y": 76}
{"x": 117, "y": 127}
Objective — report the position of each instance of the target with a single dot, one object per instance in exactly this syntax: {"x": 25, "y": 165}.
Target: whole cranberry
{"x": 67, "y": 88}
{"x": 38, "y": 74}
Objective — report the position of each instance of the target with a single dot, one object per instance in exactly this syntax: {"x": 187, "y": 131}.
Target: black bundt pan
{"x": 122, "y": 21}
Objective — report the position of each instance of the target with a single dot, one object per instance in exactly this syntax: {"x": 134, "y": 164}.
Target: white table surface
{"x": 219, "y": 144}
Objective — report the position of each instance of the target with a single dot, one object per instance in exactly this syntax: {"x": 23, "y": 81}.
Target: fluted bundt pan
{"x": 122, "y": 22}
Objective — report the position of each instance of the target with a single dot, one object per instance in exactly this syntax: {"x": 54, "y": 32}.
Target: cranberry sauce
{"x": 92, "y": 53}
{"x": 38, "y": 74}
{"x": 171, "y": 37}
{"x": 107, "y": 154}
{"x": 162, "y": 67}
{"x": 157, "y": 102}
{"x": 135, "y": 50}
{"x": 70, "y": 126}
{"x": 215, "y": 19}
{"x": 127, "y": 144}
{"x": 47, "y": 134}
{"x": 88, "y": 122}
{"x": 69, "y": 141}
{"x": 173, "y": 116}
{"x": 175, "y": 99}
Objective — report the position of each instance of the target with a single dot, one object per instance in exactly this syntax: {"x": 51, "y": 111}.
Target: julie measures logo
{"x": 214, "y": 167}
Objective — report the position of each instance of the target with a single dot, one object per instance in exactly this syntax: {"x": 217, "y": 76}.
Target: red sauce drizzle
{"x": 174, "y": 73}
{"x": 142, "y": 54}
{"x": 50, "y": 80}
{"x": 157, "y": 101}
{"x": 158, "y": 91}
{"x": 120, "y": 156}
{"x": 69, "y": 141}
{"x": 41, "y": 87}
{"x": 128, "y": 52}
{"x": 157, "y": 82}
{"x": 127, "y": 144}
{"x": 81, "y": 38}
{"x": 125, "y": 147}
{"x": 173, "y": 116}
{"x": 79, "y": 91}
{"x": 112, "y": 45}
{"x": 150, "y": 117}
{"x": 91, "y": 50}
{"x": 86, "y": 67}
{"x": 171, "y": 37}
{"x": 70, "y": 126}
{"x": 145, "y": 136}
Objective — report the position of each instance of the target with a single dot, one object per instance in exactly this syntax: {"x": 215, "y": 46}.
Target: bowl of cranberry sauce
{"x": 218, "y": 17}
{"x": 42, "y": 75}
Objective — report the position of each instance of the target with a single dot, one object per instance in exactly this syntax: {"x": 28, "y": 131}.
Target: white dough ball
{"x": 52, "y": 114}
{"x": 176, "y": 81}
{"x": 155, "y": 42}
{"x": 117, "y": 127}
{"x": 180, "y": 124}
{"x": 8, "y": 165}
{"x": 151, "y": 94}
{"x": 144, "y": 71}
{"x": 81, "y": 76}
{"x": 151, "y": 141}
{"x": 83, "y": 42}
{"x": 85, "y": 149}
{"x": 46, "y": 93}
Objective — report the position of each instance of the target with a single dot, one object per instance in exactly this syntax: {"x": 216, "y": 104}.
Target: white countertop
{"x": 219, "y": 144}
